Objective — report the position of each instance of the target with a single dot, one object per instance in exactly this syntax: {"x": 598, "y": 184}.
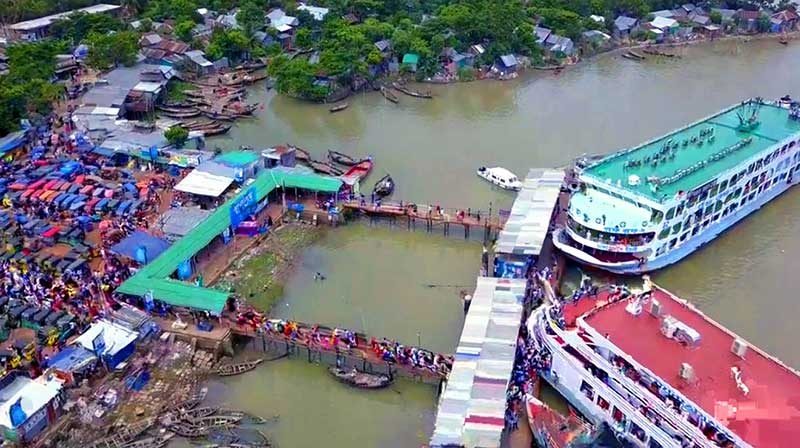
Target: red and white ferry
{"x": 663, "y": 374}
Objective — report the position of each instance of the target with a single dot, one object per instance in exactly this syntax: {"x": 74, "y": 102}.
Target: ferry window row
{"x": 609, "y": 238}
{"x": 723, "y": 185}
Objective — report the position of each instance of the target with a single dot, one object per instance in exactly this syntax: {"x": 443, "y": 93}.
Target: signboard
{"x": 243, "y": 207}
{"x": 99, "y": 344}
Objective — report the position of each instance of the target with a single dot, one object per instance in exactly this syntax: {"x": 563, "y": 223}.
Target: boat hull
{"x": 686, "y": 249}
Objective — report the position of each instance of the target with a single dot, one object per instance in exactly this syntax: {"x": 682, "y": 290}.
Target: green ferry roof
{"x": 683, "y": 166}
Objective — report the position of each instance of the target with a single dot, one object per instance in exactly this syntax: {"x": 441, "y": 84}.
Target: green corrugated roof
{"x": 237, "y": 158}
{"x": 410, "y": 58}
{"x": 155, "y": 275}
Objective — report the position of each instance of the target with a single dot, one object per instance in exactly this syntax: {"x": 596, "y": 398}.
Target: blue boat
{"x": 77, "y": 205}
{"x": 123, "y": 207}
{"x": 100, "y": 206}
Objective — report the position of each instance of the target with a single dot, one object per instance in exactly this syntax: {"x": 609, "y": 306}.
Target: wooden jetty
{"x": 430, "y": 217}
{"x": 345, "y": 357}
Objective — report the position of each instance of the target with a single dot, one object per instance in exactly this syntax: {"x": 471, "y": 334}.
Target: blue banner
{"x": 243, "y": 207}
{"x": 99, "y": 344}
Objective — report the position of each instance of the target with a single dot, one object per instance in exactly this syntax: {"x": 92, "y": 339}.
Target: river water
{"x": 377, "y": 278}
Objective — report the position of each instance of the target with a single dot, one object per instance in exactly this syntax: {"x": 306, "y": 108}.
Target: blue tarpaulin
{"x": 72, "y": 359}
{"x": 12, "y": 141}
{"x": 141, "y": 246}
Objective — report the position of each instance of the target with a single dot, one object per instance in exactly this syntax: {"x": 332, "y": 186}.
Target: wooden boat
{"x": 125, "y": 434}
{"x": 341, "y": 158}
{"x": 193, "y": 414}
{"x": 409, "y": 92}
{"x": 238, "y": 368}
{"x": 187, "y": 114}
{"x": 338, "y": 107}
{"x": 188, "y": 430}
{"x": 384, "y": 187}
{"x": 300, "y": 154}
{"x": 360, "y": 380}
{"x": 213, "y": 421}
{"x": 631, "y": 57}
{"x": 192, "y": 402}
{"x": 324, "y": 168}
{"x": 246, "y": 418}
{"x": 150, "y": 442}
{"x": 655, "y": 52}
{"x": 219, "y": 129}
{"x": 783, "y": 41}
{"x": 639, "y": 56}
{"x": 389, "y": 95}
{"x": 360, "y": 170}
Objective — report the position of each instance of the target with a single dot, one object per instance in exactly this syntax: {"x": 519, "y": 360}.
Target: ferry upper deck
{"x": 691, "y": 156}
{"x": 766, "y": 414}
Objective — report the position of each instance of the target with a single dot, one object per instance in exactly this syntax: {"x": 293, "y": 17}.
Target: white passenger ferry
{"x": 500, "y": 177}
{"x": 662, "y": 374}
{"x": 643, "y": 208}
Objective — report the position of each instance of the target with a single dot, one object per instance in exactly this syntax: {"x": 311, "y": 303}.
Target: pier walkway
{"x": 320, "y": 345}
{"x": 431, "y": 217}
{"x": 472, "y": 406}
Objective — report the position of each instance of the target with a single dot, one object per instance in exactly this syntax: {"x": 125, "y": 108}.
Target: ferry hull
{"x": 686, "y": 249}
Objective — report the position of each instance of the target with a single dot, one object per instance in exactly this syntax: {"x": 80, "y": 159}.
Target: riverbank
{"x": 258, "y": 276}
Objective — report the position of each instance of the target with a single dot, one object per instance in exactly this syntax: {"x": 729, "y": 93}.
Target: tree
{"x": 302, "y": 39}
{"x": 232, "y": 44}
{"x": 183, "y": 30}
{"x": 716, "y": 17}
{"x": 77, "y": 26}
{"x": 176, "y": 136}
{"x": 250, "y": 17}
{"x": 108, "y": 50}
{"x": 763, "y": 24}
{"x": 562, "y": 21}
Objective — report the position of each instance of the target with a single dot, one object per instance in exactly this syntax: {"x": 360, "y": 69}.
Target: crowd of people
{"x": 342, "y": 339}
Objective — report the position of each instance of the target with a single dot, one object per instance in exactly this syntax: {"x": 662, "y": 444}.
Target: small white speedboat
{"x": 501, "y": 177}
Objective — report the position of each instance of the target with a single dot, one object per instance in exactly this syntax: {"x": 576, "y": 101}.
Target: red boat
{"x": 360, "y": 170}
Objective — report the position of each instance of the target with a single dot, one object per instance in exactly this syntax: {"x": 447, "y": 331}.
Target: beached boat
{"x": 630, "y": 56}
{"x": 360, "y": 170}
{"x": 324, "y": 168}
{"x": 213, "y": 421}
{"x": 150, "y": 442}
{"x": 389, "y": 95}
{"x": 193, "y": 401}
{"x": 184, "y": 114}
{"x": 384, "y": 187}
{"x": 300, "y": 154}
{"x": 125, "y": 434}
{"x": 217, "y": 130}
{"x": 188, "y": 430}
{"x": 500, "y": 177}
{"x": 638, "y": 56}
{"x": 193, "y": 414}
{"x": 338, "y": 107}
{"x": 238, "y": 368}
{"x": 246, "y": 418}
{"x": 360, "y": 380}
{"x": 403, "y": 89}
{"x": 341, "y": 158}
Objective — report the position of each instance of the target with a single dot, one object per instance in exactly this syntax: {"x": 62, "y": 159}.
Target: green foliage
{"x": 302, "y": 38}
{"x": 183, "y": 30}
{"x": 78, "y": 26}
{"x": 176, "y": 135}
{"x": 176, "y": 89}
{"x": 296, "y": 78}
{"x": 466, "y": 74}
{"x": 562, "y": 22}
{"x": 250, "y": 17}
{"x": 233, "y": 44}
{"x": 716, "y": 17}
{"x": 28, "y": 88}
{"x": 178, "y": 10}
{"x": 763, "y": 23}
{"x": 109, "y": 50}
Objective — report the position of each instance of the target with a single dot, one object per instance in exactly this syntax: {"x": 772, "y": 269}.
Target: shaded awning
{"x": 204, "y": 184}
{"x": 139, "y": 244}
